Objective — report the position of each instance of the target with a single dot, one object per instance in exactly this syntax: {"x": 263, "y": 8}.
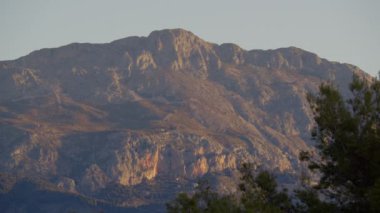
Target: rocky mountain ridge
{"x": 145, "y": 113}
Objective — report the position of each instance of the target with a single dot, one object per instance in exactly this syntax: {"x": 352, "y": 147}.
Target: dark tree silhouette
{"x": 347, "y": 137}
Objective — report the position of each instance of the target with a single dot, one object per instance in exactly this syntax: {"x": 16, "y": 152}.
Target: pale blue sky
{"x": 340, "y": 30}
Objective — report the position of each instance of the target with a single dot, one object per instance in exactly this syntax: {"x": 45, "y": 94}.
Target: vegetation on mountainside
{"x": 348, "y": 140}
{"x": 347, "y": 137}
{"x": 257, "y": 193}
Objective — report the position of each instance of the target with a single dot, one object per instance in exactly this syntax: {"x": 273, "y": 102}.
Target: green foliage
{"x": 308, "y": 201}
{"x": 374, "y": 197}
{"x": 203, "y": 200}
{"x": 258, "y": 193}
{"x": 348, "y": 140}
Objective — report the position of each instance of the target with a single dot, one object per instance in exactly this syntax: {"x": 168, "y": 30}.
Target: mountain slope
{"x": 154, "y": 113}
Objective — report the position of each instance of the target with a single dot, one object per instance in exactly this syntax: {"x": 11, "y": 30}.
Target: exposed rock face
{"x": 157, "y": 109}
{"x": 66, "y": 184}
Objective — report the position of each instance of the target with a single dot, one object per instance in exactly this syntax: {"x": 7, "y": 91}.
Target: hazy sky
{"x": 340, "y": 30}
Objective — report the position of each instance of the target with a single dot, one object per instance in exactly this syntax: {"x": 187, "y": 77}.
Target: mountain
{"x": 134, "y": 121}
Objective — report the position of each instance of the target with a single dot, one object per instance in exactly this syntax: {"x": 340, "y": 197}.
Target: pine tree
{"x": 347, "y": 137}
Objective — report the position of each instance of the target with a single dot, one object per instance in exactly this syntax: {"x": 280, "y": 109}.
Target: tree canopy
{"x": 257, "y": 193}
{"x": 347, "y": 137}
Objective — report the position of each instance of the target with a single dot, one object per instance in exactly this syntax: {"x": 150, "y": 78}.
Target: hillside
{"x": 134, "y": 121}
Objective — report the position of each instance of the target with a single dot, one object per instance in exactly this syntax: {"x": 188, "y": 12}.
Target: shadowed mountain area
{"x": 133, "y": 122}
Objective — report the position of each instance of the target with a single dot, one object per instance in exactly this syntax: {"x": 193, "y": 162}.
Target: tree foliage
{"x": 258, "y": 193}
{"x": 203, "y": 200}
{"x": 347, "y": 137}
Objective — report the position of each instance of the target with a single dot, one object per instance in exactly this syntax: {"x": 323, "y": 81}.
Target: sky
{"x": 346, "y": 31}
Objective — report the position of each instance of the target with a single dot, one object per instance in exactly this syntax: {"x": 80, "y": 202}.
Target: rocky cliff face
{"x": 158, "y": 110}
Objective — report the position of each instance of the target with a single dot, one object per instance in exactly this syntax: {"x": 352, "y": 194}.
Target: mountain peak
{"x": 168, "y": 35}
{"x": 179, "y": 39}
{"x": 179, "y": 49}
{"x": 176, "y": 32}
